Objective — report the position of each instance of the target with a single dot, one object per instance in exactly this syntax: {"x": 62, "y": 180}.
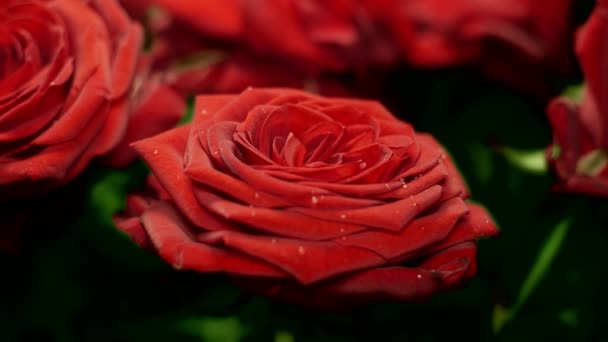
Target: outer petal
{"x": 164, "y": 154}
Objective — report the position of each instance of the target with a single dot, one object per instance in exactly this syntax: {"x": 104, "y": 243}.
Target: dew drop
{"x": 414, "y": 204}
{"x": 314, "y": 200}
{"x": 404, "y": 186}
{"x": 256, "y": 195}
{"x": 487, "y": 221}
{"x": 301, "y": 250}
{"x": 387, "y": 186}
{"x": 215, "y": 153}
{"x": 419, "y": 276}
{"x": 52, "y": 83}
{"x": 341, "y": 230}
{"x": 273, "y": 241}
{"x": 343, "y": 216}
{"x": 344, "y": 238}
{"x": 155, "y": 152}
{"x": 204, "y": 111}
{"x": 362, "y": 165}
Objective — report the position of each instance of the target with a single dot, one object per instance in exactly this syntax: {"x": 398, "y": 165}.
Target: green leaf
{"x": 481, "y": 157}
{"x": 569, "y": 317}
{"x": 500, "y": 317}
{"x": 228, "y": 329}
{"x": 592, "y": 163}
{"x": 532, "y": 161}
{"x": 541, "y": 266}
{"x": 187, "y": 117}
{"x": 107, "y": 196}
{"x": 283, "y": 336}
{"x": 575, "y": 93}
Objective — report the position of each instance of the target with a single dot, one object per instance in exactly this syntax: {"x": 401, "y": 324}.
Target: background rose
{"x": 66, "y": 77}
{"x": 581, "y": 131}
{"x": 523, "y": 43}
{"x": 313, "y": 35}
{"x": 314, "y": 200}
{"x": 218, "y": 72}
{"x": 156, "y": 105}
{"x": 518, "y": 41}
{"x": 195, "y": 63}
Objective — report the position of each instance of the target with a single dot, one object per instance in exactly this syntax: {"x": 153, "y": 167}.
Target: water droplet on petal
{"x": 419, "y": 276}
{"x": 256, "y": 195}
{"x": 52, "y": 83}
{"x": 273, "y": 241}
{"x": 314, "y": 200}
{"x": 204, "y": 111}
{"x": 362, "y": 165}
{"x": 387, "y": 186}
{"x": 404, "y": 186}
{"x": 343, "y": 216}
{"x": 155, "y": 152}
{"x": 341, "y": 230}
{"x": 301, "y": 250}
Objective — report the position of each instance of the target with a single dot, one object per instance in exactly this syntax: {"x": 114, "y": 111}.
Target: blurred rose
{"x": 310, "y": 35}
{"x": 325, "y": 202}
{"x": 580, "y": 151}
{"x": 156, "y": 107}
{"x": 519, "y": 41}
{"x": 193, "y": 64}
{"x": 217, "y": 72}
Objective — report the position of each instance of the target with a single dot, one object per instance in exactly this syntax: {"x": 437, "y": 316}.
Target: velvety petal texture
{"x": 579, "y": 154}
{"x": 319, "y": 201}
{"x": 66, "y": 71}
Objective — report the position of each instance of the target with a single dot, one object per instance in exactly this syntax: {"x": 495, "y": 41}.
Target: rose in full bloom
{"x": 326, "y": 202}
{"x": 580, "y": 151}
{"x": 65, "y": 77}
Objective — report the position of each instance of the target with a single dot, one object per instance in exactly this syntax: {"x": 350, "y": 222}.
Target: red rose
{"x": 580, "y": 131}
{"x": 156, "y": 107}
{"x": 519, "y": 41}
{"x": 312, "y": 35}
{"x": 65, "y": 80}
{"x": 232, "y": 73}
{"x": 320, "y": 201}
{"x": 192, "y": 64}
